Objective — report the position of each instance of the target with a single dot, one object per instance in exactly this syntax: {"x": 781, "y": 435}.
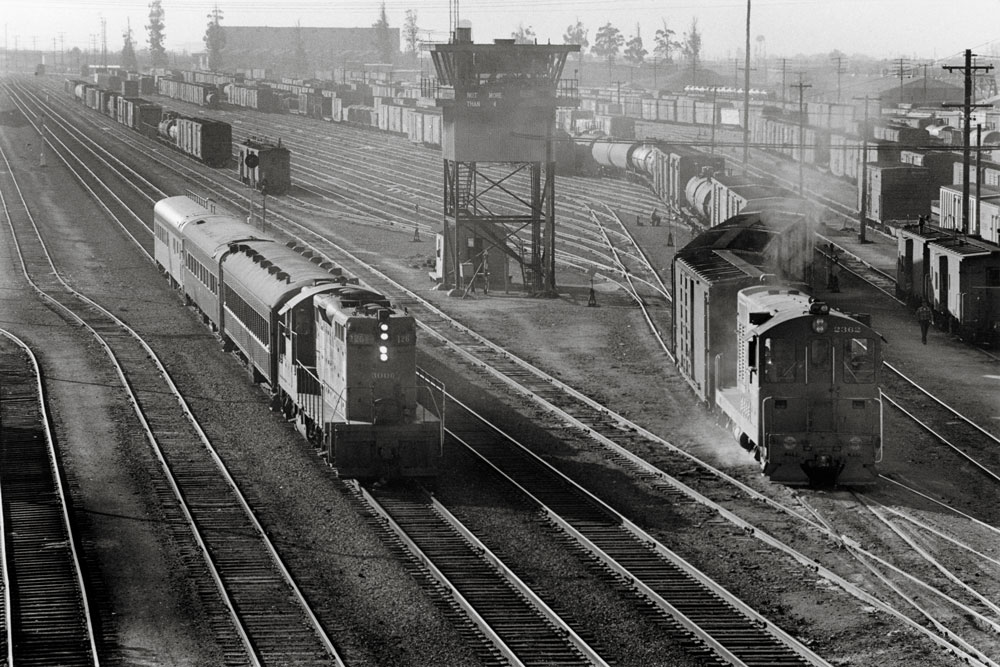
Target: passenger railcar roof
{"x": 180, "y": 210}
{"x": 273, "y": 272}
{"x": 213, "y": 238}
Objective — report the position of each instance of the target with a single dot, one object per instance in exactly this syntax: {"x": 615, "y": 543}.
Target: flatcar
{"x": 741, "y": 300}
{"x": 264, "y": 165}
{"x": 337, "y": 358}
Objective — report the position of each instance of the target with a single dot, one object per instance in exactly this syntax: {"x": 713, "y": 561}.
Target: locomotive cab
{"x": 806, "y": 399}
{"x": 374, "y": 425}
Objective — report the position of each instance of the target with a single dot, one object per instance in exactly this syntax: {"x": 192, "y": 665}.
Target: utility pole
{"x": 104, "y": 43}
{"x": 784, "y": 66}
{"x": 978, "y": 229}
{"x": 802, "y": 130}
{"x": 863, "y": 203}
{"x": 840, "y": 70}
{"x": 968, "y": 70}
{"x": 900, "y": 70}
{"x": 746, "y": 99}
{"x": 711, "y": 147}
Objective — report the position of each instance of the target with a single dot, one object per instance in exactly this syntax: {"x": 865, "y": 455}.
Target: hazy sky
{"x": 880, "y": 28}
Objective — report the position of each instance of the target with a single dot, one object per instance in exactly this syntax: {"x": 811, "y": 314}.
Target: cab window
{"x": 779, "y": 360}
{"x": 859, "y": 360}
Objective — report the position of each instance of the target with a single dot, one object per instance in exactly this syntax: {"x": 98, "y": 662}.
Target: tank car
{"x": 805, "y": 399}
{"x": 269, "y": 169}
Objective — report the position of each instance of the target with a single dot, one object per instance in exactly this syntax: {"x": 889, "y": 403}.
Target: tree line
{"x": 608, "y": 42}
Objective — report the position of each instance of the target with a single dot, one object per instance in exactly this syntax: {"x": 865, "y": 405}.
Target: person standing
{"x": 924, "y": 317}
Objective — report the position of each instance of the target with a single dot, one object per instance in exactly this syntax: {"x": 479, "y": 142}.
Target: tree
{"x": 691, "y": 48}
{"x": 607, "y": 43}
{"x": 383, "y": 37}
{"x": 215, "y": 40}
{"x": 665, "y": 43}
{"x": 577, "y": 34}
{"x": 634, "y": 53}
{"x": 523, "y": 35}
{"x": 156, "y": 36}
{"x": 411, "y": 33}
{"x": 129, "y": 61}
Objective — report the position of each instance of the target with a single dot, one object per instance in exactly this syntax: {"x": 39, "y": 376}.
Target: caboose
{"x": 806, "y": 396}
{"x": 265, "y": 165}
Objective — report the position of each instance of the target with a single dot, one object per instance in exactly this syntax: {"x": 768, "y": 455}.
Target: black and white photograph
{"x": 475, "y": 334}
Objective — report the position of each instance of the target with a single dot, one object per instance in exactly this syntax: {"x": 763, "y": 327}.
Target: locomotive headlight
{"x": 383, "y": 331}
{"x": 383, "y": 353}
{"x": 819, "y": 325}
{"x": 789, "y": 442}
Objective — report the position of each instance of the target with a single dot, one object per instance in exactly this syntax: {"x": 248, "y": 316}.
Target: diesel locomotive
{"x": 336, "y": 357}
{"x": 796, "y": 381}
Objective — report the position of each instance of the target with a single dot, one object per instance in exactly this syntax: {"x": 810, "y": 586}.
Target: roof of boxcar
{"x": 273, "y": 272}
{"x": 731, "y": 248}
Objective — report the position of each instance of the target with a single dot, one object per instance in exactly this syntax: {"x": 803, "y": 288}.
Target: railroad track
{"x": 515, "y": 625}
{"x": 258, "y": 613}
{"x": 712, "y": 624}
{"x": 616, "y": 425}
{"x": 46, "y": 612}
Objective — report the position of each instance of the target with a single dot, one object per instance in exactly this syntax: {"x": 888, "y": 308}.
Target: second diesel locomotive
{"x": 796, "y": 381}
{"x": 336, "y": 357}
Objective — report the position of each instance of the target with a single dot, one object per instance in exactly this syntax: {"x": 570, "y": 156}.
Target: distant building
{"x": 922, "y": 92}
{"x": 277, "y": 49}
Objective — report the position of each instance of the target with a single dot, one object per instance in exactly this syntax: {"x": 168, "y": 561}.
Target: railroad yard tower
{"x": 498, "y": 105}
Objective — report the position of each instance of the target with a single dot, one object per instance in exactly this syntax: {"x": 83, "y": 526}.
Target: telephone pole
{"x": 840, "y": 70}
{"x": 968, "y": 70}
{"x": 863, "y": 203}
{"x": 746, "y": 99}
{"x": 802, "y": 129}
{"x": 901, "y": 70}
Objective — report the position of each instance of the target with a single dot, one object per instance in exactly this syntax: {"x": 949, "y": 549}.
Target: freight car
{"x": 264, "y": 165}
{"x": 797, "y": 382}
{"x": 210, "y": 141}
{"x": 688, "y": 180}
{"x": 957, "y": 274}
{"x": 336, "y": 357}
{"x": 202, "y": 94}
